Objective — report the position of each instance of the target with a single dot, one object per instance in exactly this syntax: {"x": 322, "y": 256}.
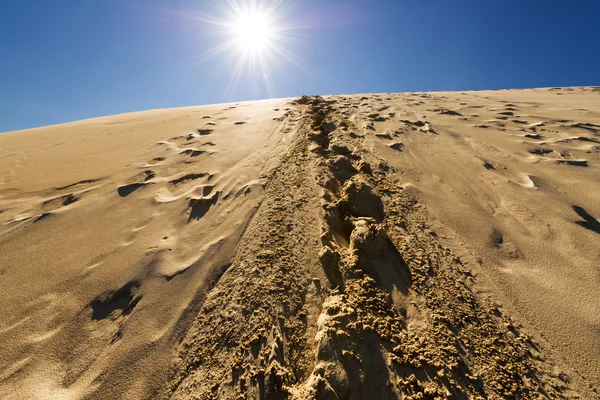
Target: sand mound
{"x": 419, "y": 245}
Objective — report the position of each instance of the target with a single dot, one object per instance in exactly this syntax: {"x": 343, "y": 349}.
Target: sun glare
{"x": 256, "y": 36}
{"x": 253, "y": 31}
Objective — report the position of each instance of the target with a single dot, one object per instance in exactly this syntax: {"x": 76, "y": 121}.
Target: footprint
{"x": 588, "y": 222}
{"x": 240, "y": 123}
{"x": 534, "y": 136}
{"x": 578, "y": 138}
{"x": 84, "y": 182}
{"x": 193, "y": 152}
{"x": 61, "y": 201}
{"x": 118, "y": 303}
{"x": 540, "y": 151}
{"x": 376, "y": 117}
{"x": 204, "y": 132}
{"x": 186, "y": 178}
{"x": 489, "y": 166}
{"x": 445, "y": 111}
{"x": 126, "y": 190}
{"x": 497, "y": 238}
{"x": 200, "y": 206}
{"x": 149, "y": 174}
{"x": 587, "y": 126}
{"x": 396, "y": 146}
{"x": 41, "y": 217}
{"x": 575, "y": 163}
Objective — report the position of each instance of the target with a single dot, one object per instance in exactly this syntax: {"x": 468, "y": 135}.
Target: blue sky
{"x": 67, "y": 60}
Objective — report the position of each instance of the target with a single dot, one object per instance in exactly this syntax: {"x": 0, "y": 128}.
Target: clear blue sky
{"x": 66, "y": 60}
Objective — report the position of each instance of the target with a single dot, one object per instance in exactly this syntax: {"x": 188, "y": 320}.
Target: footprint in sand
{"x": 575, "y": 163}
{"x": 186, "y": 178}
{"x": 445, "y": 111}
{"x": 193, "y": 152}
{"x": 61, "y": 201}
{"x": 587, "y": 126}
{"x": 53, "y": 204}
{"x": 489, "y": 166}
{"x": 578, "y": 138}
{"x": 534, "y": 136}
{"x": 589, "y": 222}
{"x": 153, "y": 163}
{"x": 541, "y": 151}
{"x": 396, "y": 146}
{"x": 116, "y": 304}
{"x": 377, "y": 117}
{"x": 126, "y": 190}
{"x": 200, "y": 206}
{"x": 144, "y": 177}
{"x": 80, "y": 183}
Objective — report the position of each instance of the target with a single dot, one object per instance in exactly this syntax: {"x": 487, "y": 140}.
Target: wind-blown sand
{"x": 417, "y": 245}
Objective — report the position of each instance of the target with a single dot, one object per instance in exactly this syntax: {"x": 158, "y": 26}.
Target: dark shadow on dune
{"x": 193, "y": 153}
{"x": 396, "y": 146}
{"x": 84, "y": 182}
{"x": 123, "y": 300}
{"x": 63, "y": 200}
{"x": 575, "y": 163}
{"x": 540, "y": 151}
{"x": 448, "y": 112}
{"x": 69, "y": 199}
{"x": 126, "y": 190}
{"x": 201, "y": 206}
{"x": 41, "y": 217}
{"x": 489, "y": 166}
{"x": 587, "y": 126}
{"x": 588, "y": 222}
{"x": 188, "y": 177}
{"x": 532, "y": 136}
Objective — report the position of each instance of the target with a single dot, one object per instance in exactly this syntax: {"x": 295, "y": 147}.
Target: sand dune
{"x": 416, "y": 245}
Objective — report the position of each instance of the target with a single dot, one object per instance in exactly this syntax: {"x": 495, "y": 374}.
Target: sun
{"x": 255, "y": 40}
{"x": 253, "y": 31}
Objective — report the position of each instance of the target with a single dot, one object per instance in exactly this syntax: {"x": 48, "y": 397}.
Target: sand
{"x": 414, "y": 245}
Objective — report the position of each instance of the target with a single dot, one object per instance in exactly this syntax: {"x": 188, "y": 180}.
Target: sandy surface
{"x": 417, "y": 245}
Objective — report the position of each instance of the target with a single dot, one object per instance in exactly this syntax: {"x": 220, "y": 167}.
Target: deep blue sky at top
{"x": 66, "y": 60}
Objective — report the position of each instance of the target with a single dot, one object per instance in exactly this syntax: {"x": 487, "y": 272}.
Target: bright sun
{"x": 253, "y": 31}
{"x": 256, "y": 35}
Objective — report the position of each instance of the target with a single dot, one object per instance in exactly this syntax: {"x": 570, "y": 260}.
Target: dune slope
{"x": 418, "y": 245}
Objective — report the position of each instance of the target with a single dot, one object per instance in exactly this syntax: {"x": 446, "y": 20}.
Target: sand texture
{"x": 413, "y": 246}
